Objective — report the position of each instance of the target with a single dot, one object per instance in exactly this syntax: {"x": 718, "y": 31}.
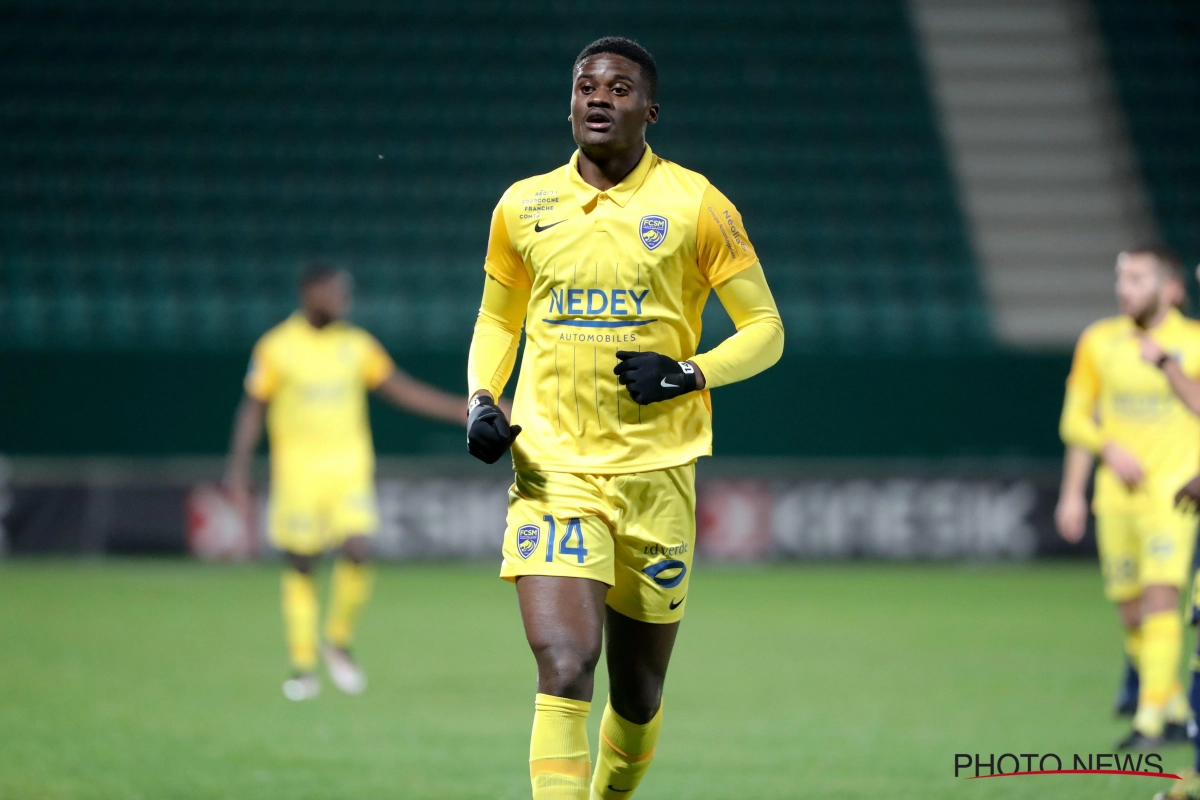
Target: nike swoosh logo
{"x": 667, "y": 385}
{"x": 539, "y": 227}
{"x": 612, "y": 788}
{"x": 675, "y": 603}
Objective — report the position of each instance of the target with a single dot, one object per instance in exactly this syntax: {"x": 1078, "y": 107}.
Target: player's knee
{"x": 1159, "y": 597}
{"x": 566, "y": 671}
{"x": 357, "y": 549}
{"x": 301, "y": 563}
{"x": 1131, "y": 613}
{"x": 638, "y": 703}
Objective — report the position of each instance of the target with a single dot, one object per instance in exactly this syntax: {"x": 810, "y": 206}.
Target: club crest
{"x": 653, "y": 230}
{"x": 528, "y": 537}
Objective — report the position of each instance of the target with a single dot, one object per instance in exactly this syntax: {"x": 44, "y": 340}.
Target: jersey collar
{"x": 300, "y": 321}
{"x": 619, "y": 194}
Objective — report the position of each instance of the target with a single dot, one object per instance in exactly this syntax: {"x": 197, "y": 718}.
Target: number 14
{"x": 564, "y": 547}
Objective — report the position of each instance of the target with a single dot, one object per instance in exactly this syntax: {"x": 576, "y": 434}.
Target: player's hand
{"x": 1123, "y": 463}
{"x": 1070, "y": 516}
{"x": 652, "y": 378}
{"x": 239, "y": 490}
{"x": 1151, "y": 351}
{"x": 488, "y": 433}
{"x": 1188, "y": 498}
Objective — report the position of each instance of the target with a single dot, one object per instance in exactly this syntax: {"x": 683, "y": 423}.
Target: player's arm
{"x": 1070, "y": 515}
{"x": 262, "y": 380}
{"x": 494, "y": 344}
{"x": 1078, "y": 425}
{"x": 758, "y": 343}
{"x": 727, "y": 260}
{"x": 1083, "y": 438}
{"x": 1185, "y": 386}
{"x": 496, "y": 338}
{"x": 247, "y": 430}
{"x": 409, "y": 394}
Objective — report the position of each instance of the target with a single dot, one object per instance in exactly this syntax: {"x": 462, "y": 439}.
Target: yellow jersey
{"x": 629, "y": 268}
{"x": 315, "y": 381}
{"x": 1113, "y": 395}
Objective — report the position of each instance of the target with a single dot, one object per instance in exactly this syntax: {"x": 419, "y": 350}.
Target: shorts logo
{"x": 655, "y": 572}
{"x": 528, "y": 537}
{"x": 1161, "y": 547}
{"x": 653, "y": 230}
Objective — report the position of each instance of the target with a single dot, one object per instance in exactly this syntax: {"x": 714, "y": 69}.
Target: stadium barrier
{"x": 747, "y": 510}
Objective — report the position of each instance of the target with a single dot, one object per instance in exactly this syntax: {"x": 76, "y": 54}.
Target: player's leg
{"x": 300, "y": 612}
{"x": 1130, "y": 613}
{"x": 1189, "y": 787}
{"x": 1125, "y": 703}
{"x": 637, "y": 654}
{"x": 353, "y": 519}
{"x": 294, "y": 529}
{"x": 563, "y": 620}
{"x": 652, "y": 576}
{"x": 558, "y": 548}
{"x": 1117, "y": 541}
{"x": 1162, "y": 648}
{"x": 1165, "y": 557}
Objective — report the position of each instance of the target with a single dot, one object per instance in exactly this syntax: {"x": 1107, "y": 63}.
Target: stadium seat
{"x": 176, "y": 165}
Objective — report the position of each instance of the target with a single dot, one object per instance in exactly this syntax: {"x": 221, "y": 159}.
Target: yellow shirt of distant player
{"x": 629, "y": 268}
{"x": 1113, "y": 395}
{"x": 316, "y": 381}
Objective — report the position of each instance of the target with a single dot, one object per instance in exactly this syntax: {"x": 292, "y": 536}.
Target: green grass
{"x": 161, "y": 680}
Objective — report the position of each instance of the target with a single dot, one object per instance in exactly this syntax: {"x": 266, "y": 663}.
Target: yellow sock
{"x": 1158, "y": 667}
{"x": 559, "y": 760}
{"x": 300, "y": 619}
{"x": 1177, "y": 709}
{"x": 348, "y": 594}
{"x": 625, "y": 753}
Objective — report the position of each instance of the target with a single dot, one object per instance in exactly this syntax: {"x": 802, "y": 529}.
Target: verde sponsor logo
{"x": 665, "y": 550}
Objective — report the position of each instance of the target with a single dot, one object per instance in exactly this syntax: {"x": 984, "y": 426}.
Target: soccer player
{"x": 608, "y": 261}
{"x": 1187, "y": 499}
{"x": 310, "y": 376}
{"x": 1121, "y": 409}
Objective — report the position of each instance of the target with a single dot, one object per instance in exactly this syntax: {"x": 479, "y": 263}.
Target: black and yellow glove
{"x": 652, "y": 378}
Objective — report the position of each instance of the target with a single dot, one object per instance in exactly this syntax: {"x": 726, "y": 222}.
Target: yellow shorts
{"x": 1146, "y": 549}
{"x": 635, "y": 532}
{"x": 313, "y": 512}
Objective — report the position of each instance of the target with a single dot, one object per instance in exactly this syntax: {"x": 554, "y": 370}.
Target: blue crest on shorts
{"x": 653, "y": 230}
{"x": 655, "y": 570}
{"x": 528, "y": 537}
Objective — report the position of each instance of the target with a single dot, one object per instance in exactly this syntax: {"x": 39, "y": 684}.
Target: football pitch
{"x": 161, "y": 679}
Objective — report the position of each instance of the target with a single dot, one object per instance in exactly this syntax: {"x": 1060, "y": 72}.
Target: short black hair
{"x": 626, "y": 48}
{"x": 318, "y": 272}
{"x": 1169, "y": 264}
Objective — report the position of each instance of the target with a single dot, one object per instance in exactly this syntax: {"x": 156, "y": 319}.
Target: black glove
{"x": 488, "y": 433}
{"x": 652, "y": 378}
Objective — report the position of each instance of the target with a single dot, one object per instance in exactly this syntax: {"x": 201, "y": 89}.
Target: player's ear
{"x": 652, "y": 117}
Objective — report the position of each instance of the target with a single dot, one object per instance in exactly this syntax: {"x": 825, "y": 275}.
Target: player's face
{"x": 610, "y": 106}
{"x": 1141, "y": 289}
{"x": 328, "y": 300}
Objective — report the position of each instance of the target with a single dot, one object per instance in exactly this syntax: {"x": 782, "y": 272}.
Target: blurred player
{"x": 1121, "y": 409}
{"x": 1186, "y": 499}
{"x": 310, "y": 375}
{"x": 608, "y": 262}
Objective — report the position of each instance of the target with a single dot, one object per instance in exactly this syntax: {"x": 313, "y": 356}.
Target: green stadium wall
{"x": 162, "y": 404}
